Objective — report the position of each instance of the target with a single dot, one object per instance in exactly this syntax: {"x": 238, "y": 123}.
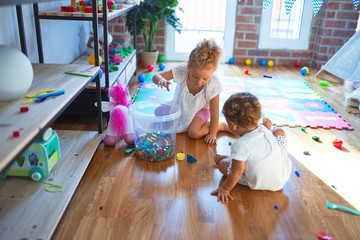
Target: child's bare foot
{"x": 218, "y": 158}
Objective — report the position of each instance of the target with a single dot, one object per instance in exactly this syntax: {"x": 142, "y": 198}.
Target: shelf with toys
{"x": 29, "y": 210}
{"x": 120, "y": 70}
{"x": 107, "y": 10}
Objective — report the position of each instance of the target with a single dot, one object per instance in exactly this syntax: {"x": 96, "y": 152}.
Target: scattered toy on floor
{"x": 180, "y": 156}
{"x": 248, "y": 62}
{"x": 315, "y": 138}
{"x": 190, "y": 159}
{"x": 337, "y": 143}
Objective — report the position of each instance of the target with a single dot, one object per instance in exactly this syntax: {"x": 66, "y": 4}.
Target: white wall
{"x": 63, "y": 41}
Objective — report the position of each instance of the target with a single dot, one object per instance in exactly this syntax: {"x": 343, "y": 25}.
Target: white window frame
{"x": 171, "y": 55}
{"x": 265, "y": 42}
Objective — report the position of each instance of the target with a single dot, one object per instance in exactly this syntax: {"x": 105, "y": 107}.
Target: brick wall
{"x": 118, "y": 30}
{"x": 333, "y": 25}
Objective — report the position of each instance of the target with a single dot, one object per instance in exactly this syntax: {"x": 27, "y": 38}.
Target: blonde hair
{"x": 243, "y": 109}
{"x": 206, "y": 54}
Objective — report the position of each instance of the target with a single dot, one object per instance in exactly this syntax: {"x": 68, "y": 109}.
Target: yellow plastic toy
{"x": 91, "y": 59}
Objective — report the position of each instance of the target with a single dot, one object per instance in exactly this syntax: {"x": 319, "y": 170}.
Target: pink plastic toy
{"x": 120, "y": 124}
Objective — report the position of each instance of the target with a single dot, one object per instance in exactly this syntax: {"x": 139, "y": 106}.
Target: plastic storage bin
{"x": 155, "y": 125}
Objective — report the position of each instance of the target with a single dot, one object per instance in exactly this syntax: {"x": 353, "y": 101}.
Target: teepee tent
{"x": 345, "y": 64}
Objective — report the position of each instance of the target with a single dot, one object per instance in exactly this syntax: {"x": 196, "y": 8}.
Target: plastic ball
{"x": 263, "y": 62}
{"x": 100, "y": 73}
{"x": 248, "y": 62}
{"x": 16, "y": 73}
{"x": 231, "y": 60}
{"x": 161, "y": 58}
{"x": 298, "y": 64}
{"x": 246, "y": 71}
{"x": 270, "y": 63}
{"x": 150, "y": 67}
{"x": 307, "y": 70}
{"x": 161, "y": 66}
{"x": 91, "y": 59}
{"x": 141, "y": 78}
{"x": 149, "y": 77}
{"x": 303, "y": 71}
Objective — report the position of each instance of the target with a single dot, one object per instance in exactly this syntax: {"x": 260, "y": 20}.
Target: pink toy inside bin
{"x": 155, "y": 125}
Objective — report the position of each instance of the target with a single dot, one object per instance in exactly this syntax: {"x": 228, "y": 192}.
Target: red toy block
{"x": 88, "y": 9}
{"x": 24, "y": 109}
{"x": 16, "y": 133}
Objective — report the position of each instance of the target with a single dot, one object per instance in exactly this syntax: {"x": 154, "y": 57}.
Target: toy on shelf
{"x": 91, "y": 59}
{"x": 90, "y": 42}
{"x": 120, "y": 124}
{"x": 38, "y": 160}
{"x": 86, "y": 6}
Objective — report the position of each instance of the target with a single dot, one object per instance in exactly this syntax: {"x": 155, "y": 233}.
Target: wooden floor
{"x": 121, "y": 197}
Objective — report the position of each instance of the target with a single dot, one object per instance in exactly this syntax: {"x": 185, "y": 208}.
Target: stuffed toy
{"x": 120, "y": 124}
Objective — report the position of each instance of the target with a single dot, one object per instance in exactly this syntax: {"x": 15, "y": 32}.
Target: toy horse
{"x": 120, "y": 124}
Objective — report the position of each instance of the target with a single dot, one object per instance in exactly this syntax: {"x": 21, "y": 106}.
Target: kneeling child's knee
{"x": 279, "y": 132}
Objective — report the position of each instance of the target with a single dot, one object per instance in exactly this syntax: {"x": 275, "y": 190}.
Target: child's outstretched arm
{"x": 223, "y": 192}
{"x": 214, "y": 120}
{"x": 162, "y": 79}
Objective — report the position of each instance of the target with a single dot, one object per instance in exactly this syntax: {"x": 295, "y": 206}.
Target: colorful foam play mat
{"x": 290, "y": 103}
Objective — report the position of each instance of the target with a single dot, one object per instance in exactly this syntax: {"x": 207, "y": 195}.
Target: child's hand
{"x": 163, "y": 83}
{"x": 267, "y": 123}
{"x": 210, "y": 139}
{"x": 222, "y": 194}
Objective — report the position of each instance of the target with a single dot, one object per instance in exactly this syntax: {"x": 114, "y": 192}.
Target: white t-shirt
{"x": 267, "y": 166}
{"x": 189, "y": 103}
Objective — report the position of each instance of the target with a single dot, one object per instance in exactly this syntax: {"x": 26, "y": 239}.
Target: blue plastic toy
{"x": 303, "y": 71}
{"x": 231, "y": 60}
{"x": 161, "y": 66}
{"x": 141, "y": 78}
{"x": 263, "y": 62}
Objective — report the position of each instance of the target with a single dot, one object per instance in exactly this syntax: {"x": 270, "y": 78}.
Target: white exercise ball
{"x": 16, "y": 73}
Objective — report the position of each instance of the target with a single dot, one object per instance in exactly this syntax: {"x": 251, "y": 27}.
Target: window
{"x": 202, "y": 19}
{"x": 286, "y": 31}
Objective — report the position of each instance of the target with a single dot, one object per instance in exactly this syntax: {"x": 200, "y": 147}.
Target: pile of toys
{"x": 86, "y": 6}
{"x": 117, "y": 52}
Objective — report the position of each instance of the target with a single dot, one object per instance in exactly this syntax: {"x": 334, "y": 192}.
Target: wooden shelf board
{"x": 40, "y": 115}
{"x": 30, "y": 212}
{"x": 112, "y": 75}
{"x": 13, "y": 2}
